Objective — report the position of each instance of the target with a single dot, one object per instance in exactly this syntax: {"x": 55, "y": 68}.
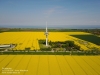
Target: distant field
{"x": 91, "y": 38}
{"x": 49, "y": 65}
{"x": 29, "y": 40}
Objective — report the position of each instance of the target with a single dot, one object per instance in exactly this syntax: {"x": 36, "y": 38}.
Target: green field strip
{"x": 77, "y": 33}
{"x": 62, "y": 67}
{"x": 84, "y": 66}
{"x": 76, "y": 68}
{"x": 93, "y": 66}
{"x": 91, "y": 38}
{"x": 33, "y": 65}
{"x": 22, "y": 64}
{"x": 54, "y": 67}
{"x": 43, "y": 65}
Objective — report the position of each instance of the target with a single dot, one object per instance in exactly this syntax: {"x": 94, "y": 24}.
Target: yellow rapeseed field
{"x": 30, "y": 39}
{"x": 49, "y": 65}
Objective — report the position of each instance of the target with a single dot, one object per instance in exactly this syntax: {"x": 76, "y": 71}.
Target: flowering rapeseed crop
{"x": 30, "y": 40}
{"x": 49, "y": 65}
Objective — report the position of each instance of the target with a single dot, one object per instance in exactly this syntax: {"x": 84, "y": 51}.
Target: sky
{"x": 54, "y": 12}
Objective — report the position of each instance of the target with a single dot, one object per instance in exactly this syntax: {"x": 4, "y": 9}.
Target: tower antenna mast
{"x": 46, "y": 33}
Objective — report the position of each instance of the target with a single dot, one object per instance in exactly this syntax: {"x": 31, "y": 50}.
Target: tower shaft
{"x": 46, "y": 33}
{"x": 46, "y": 40}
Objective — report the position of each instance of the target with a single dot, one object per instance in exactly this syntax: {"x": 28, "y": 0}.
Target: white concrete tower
{"x": 46, "y": 33}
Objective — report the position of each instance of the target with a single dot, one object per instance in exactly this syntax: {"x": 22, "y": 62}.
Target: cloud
{"x": 52, "y": 11}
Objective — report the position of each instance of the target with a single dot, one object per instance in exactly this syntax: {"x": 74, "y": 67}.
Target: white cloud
{"x": 52, "y": 11}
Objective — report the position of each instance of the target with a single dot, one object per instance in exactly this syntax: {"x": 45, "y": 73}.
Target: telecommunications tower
{"x": 46, "y": 33}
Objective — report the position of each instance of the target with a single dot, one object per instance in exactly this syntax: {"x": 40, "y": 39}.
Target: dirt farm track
{"x": 49, "y": 65}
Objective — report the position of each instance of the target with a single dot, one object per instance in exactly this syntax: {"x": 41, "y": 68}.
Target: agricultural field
{"x": 91, "y": 38}
{"x": 24, "y": 40}
{"x": 49, "y": 65}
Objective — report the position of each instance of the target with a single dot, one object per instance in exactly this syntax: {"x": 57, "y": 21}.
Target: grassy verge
{"x": 47, "y": 53}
